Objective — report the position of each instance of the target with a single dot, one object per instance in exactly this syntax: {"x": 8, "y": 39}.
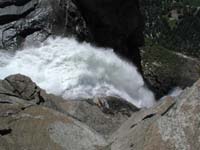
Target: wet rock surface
{"x": 28, "y": 22}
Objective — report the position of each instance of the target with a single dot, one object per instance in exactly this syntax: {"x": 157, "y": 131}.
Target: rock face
{"x": 27, "y": 22}
{"x": 115, "y": 23}
{"x": 104, "y": 115}
{"x": 98, "y": 124}
{"x": 31, "y": 119}
{"x": 171, "y": 125}
{"x": 42, "y": 128}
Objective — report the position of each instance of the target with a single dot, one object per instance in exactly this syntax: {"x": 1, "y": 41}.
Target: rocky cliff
{"x": 27, "y": 22}
{"x": 31, "y": 119}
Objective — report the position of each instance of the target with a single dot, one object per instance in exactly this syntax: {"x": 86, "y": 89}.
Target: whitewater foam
{"x": 65, "y": 67}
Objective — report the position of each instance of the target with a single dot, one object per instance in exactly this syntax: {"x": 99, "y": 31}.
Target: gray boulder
{"x": 171, "y": 125}
{"x": 22, "y": 87}
{"x": 102, "y": 123}
{"x": 26, "y": 110}
{"x": 39, "y": 127}
{"x": 103, "y": 114}
{"x": 26, "y": 124}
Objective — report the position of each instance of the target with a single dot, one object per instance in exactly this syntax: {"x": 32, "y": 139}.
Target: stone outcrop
{"x": 103, "y": 114}
{"x": 28, "y": 22}
{"x": 171, "y": 125}
{"x": 31, "y": 119}
{"x": 39, "y": 127}
{"x": 96, "y": 124}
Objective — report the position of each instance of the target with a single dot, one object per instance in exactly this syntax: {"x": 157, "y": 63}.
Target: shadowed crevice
{"x": 4, "y": 132}
{"x": 148, "y": 116}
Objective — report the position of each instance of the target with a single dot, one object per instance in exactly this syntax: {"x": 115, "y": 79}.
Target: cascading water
{"x": 65, "y": 67}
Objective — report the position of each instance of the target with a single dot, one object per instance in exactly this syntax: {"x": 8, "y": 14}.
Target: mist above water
{"x": 73, "y": 70}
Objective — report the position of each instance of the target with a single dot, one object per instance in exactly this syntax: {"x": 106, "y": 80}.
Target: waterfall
{"x": 73, "y": 70}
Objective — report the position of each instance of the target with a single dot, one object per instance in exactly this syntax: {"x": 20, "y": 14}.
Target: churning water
{"x": 75, "y": 70}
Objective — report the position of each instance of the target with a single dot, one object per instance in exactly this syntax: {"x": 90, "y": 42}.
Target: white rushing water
{"x": 65, "y": 67}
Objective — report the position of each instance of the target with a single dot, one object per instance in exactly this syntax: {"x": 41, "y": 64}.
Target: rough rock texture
{"x": 26, "y": 125}
{"x": 42, "y": 128}
{"x": 31, "y": 119}
{"x": 98, "y": 124}
{"x": 20, "y": 86}
{"x": 171, "y": 125}
{"x": 27, "y": 22}
{"x": 104, "y": 115}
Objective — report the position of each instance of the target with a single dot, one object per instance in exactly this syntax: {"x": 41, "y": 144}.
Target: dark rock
{"x": 32, "y": 20}
{"x": 115, "y": 23}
